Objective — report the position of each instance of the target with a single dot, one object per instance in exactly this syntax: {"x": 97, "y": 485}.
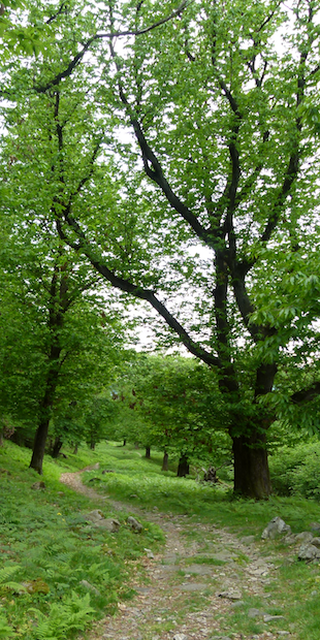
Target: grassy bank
{"x": 58, "y": 572}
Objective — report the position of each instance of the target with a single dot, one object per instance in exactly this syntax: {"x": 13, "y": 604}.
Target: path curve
{"x": 182, "y": 600}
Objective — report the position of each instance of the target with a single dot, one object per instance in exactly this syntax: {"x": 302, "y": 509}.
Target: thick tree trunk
{"x": 56, "y": 447}
{"x": 165, "y": 462}
{"x": 251, "y": 470}
{"x": 39, "y": 446}
{"x": 183, "y": 466}
{"x": 148, "y": 452}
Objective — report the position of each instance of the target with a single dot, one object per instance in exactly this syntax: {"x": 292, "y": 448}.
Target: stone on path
{"x": 275, "y": 528}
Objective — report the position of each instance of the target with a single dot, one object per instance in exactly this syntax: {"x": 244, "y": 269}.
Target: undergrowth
{"x": 59, "y": 572}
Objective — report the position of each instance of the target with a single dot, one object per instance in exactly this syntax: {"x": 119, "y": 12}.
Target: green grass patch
{"x": 136, "y": 480}
{"x": 58, "y": 572}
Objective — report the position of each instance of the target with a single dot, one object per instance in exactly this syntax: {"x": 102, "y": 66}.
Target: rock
{"x": 95, "y": 516}
{"x": 90, "y": 587}
{"x": 268, "y": 618}
{"x": 36, "y": 586}
{"x": 254, "y": 613}
{"x": 304, "y": 537}
{"x": 38, "y": 485}
{"x": 315, "y": 526}
{"x": 110, "y": 524}
{"x": 275, "y": 528}
{"x": 316, "y": 542}
{"x": 290, "y": 539}
{"x": 308, "y": 552}
{"x": 180, "y": 636}
{"x": 134, "y": 524}
{"x": 230, "y": 594}
{"x": 149, "y": 554}
{"x": 210, "y": 475}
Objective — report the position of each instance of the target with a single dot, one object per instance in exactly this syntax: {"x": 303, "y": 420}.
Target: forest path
{"x": 185, "y": 597}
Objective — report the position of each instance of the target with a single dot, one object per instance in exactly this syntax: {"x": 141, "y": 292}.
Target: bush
{"x": 296, "y": 471}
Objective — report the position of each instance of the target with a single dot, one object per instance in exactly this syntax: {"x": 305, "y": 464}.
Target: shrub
{"x": 296, "y": 471}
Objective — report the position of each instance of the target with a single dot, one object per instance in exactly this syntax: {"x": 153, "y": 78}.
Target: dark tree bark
{"x": 148, "y": 452}
{"x": 251, "y": 471}
{"x": 124, "y": 443}
{"x": 59, "y": 304}
{"x": 56, "y": 447}
{"x": 183, "y": 466}
{"x": 165, "y": 462}
{"x": 39, "y": 446}
{"x": 75, "y": 450}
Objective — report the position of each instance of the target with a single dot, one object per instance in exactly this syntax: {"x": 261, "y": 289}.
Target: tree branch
{"x": 134, "y": 290}
{"x": 108, "y": 36}
{"x": 305, "y": 395}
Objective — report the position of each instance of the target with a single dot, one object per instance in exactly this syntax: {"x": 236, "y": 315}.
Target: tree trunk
{"x": 39, "y": 446}
{"x": 56, "y": 447}
{"x": 75, "y": 450}
{"x": 92, "y": 445}
{"x": 165, "y": 465}
{"x": 124, "y": 443}
{"x": 183, "y": 466}
{"x": 148, "y": 452}
{"x": 251, "y": 470}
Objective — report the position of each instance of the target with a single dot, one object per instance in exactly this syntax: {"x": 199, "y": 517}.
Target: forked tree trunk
{"x": 165, "y": 462}
{"x": 148, "y": 452}
{"x": 183, "y": 466}
{"x": 251, "y": 470}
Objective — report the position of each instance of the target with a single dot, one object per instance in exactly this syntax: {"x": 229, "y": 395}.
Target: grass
{"x": 137, "y": 480}
{"x": 59, "y": 573}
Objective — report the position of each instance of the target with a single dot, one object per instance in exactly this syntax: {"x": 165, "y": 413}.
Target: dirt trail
{"x": 185, "y": 599}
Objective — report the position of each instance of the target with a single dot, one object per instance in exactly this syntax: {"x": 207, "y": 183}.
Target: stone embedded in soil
{"x": 254, "y": 613}
{"x": 194, "y": 586}
{"x": 268, "y": 618}
{"x": 199, "y": 569}
{"x": 230, "y": 594}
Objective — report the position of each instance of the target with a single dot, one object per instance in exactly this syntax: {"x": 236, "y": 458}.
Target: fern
{"x": 5, "y": 630}
{"x": 6, "y": 584}
{"x": 72, "y": 615}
